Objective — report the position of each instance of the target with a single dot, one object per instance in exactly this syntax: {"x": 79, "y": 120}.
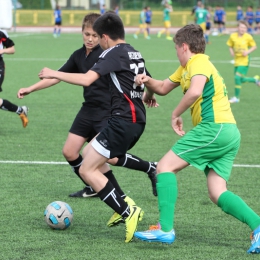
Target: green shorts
{"x": 242, "y": 70}
{"x": 210, "y": 146}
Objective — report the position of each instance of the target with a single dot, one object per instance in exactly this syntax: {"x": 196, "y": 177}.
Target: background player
{"x": 58, "y": 22}
{"x": 167, "y": 22}
{"x": 121, "y": 63}
{"x": 7, "y": 47}
{"x": 215, "y": 149}
{"x": 241, "y": 44}
{"x": 142, "y": 25}
{"x": 94, "y": 112}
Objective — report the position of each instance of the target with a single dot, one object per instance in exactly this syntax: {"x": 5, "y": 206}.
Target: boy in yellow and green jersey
{"x": 142, "y": 25}
{"x": 167, "y": 22}
{"x": 241, "y": 44}
{"x": 211, "y": 146}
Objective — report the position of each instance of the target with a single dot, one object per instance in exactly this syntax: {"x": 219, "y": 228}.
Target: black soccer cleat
{"x": 85, "y": 193}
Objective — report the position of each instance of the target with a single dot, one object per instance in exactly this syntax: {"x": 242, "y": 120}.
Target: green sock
{"x": 167, "y": 195}
{"x": 247, "y": 79}
{"x": 237, "y": 91}
{"x": 236, "y": 207}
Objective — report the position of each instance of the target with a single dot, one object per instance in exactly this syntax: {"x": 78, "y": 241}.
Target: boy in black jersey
{"x": 94, "y": 112}
{"x": 7, "y": 47}
{"x": 121, "y": 63}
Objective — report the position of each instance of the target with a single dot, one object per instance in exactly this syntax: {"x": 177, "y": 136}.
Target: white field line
{"x": 65, "y": 163}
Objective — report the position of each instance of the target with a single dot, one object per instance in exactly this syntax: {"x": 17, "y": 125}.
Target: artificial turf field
{"x": 34, "y": 173}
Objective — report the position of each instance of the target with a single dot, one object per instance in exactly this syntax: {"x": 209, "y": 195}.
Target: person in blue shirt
{"x": 240, "y": 13}
{"x": 116, "y": 9}
{"x": 250, "y": 19}
{"x": 257, "y": 20}
{"x": 103, "y": 9}
{"x": 219, "y": 18}
{"x": 58, "y": 20}
{"x": 148, "y": 19}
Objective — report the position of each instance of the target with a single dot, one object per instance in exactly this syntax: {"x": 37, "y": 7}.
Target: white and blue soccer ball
{"x": 58, "y": 215}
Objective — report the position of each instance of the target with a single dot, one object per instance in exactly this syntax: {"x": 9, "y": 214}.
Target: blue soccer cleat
{"x": 156, "y": 235}
{"x": 255, "y": 242}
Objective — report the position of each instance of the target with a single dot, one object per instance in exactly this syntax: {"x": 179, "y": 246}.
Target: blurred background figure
{"x": 103, "y": 9}
{"x": 257, "y": 20}
{"x": 249, "y": 18}
{"x": 148, "y": 19}
{"x": 240, "y": 13}
{"x": 167, "y": 22}
{"x": 116, "y": 9}
{"x": 142, "y": 25}
{"x": 57, "y": 22}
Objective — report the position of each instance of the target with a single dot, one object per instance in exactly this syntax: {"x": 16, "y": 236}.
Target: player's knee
{"x": 69, "y": 154}
{"x": 161, "y": 167}
{"x": 238, "y": 79}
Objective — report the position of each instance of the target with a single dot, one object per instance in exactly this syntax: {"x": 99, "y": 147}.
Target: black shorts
{"x": 86, "y": 127}
{"x": 219, "y": 22}
{"x": 58, "y": 23}
{"x": 117, "y": 137}
{"x": 208, "y": 26}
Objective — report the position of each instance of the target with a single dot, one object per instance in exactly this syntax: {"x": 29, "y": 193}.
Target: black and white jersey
{"x": 5, "y": 41}
{"x": 121, "y": 64}
{"x": 96, "y": 96}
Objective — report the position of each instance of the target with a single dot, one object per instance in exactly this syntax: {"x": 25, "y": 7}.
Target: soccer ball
{"x": 58, "y": 215}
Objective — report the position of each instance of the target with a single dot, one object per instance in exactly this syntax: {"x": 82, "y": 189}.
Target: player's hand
{"x": 150, "y": 101}
{"x": 23, "y": 92}
{"x": 141, "y": 79}
{"x": 46, "y": 73}
{"x": 177, "y": 125}
{"x": 244, "y": 53}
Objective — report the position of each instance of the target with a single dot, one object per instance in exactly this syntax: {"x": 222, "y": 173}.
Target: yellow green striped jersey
{"x": 213, "y": 104}
{"x": 239, "y": 45}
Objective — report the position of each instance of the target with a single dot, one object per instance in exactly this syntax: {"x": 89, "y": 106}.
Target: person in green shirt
{"x": 167, "y": 22}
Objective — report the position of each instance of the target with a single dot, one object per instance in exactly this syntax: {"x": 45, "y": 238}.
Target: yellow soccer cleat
{"x": 131, "y": 222}
{"x": 116, "y": 218}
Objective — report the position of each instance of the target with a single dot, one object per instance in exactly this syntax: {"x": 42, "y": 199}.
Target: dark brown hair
{"x": 89, "y": 20}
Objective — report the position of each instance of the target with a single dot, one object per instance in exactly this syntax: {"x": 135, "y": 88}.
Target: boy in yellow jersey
{"x": 241, "y": 44}
{"x": 142, "y": 25}
{"x": 167, "y": 22}
{"x": 210, "y": 146}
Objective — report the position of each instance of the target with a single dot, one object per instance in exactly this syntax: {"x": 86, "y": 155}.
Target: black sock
{"x": 112, "y": 198}
{"x": 75, "y": 165}
{"x": 8, "y": 106}
{"x": 133, "y": 162}
{"x": 114, "y": 182}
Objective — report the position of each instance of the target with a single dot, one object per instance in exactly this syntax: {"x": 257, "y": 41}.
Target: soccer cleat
{"x": 117, "y": 218}
{"x": 87, "y": 192}
{"x": 155, "y": 234}
{"x": 24, "y": 117}
{"x": 131, "y": 222}
{"x": 256, "y": 77}
{"x": 255, "y": 242}
{"x": 152, "y": 176}
{"x": 234, "y": 100}
{"x": 148, "y": 37}
{"x": 135, "y": 36}
{"x": 169, "y": 38}
{"x": 159, "y": 35}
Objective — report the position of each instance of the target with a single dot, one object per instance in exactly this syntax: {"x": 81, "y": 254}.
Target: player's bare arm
{"x": 160, "y": 87}
{"x": 9, "y": 50}
{"x": 45, "y": 83}
{"x": 245, "y": 53}
{"x": 72, "y": 78}
{"x": 192, "y": 94}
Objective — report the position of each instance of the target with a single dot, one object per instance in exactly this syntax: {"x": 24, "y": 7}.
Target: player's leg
{"x": 138, "y": 31}
{"x": 167, "y": 190}
{"x": 22, "y": 111}
{"x": 168, "y": 26}
{"x": 111, "y": 144}
{"x": 133, "y": 162}
{"x": 239, "y": 72}
{"x": 2, "y": 74}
